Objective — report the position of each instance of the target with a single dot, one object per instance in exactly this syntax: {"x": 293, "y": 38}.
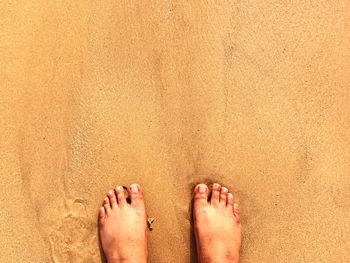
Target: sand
{"x": 252, "y": 94}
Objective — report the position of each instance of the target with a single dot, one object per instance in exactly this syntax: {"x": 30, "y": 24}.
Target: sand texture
{"x": 252, "y": 94}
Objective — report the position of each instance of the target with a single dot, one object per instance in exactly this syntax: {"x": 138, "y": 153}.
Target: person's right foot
{"x": 217, "y": 226}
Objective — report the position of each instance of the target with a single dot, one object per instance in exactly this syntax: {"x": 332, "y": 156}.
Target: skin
{"x": 123, "y": 225}
{"x": 217, "y": 225}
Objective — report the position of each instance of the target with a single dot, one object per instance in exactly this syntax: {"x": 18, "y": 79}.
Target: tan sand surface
{"x": 253, "y": 94}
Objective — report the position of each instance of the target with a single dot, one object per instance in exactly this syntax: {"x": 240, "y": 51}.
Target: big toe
{"x": 136, "y": 196}
{"x": 201, "y": 193}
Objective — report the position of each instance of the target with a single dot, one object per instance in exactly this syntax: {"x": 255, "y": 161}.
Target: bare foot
{"x": 123, "y": 226}
{"x": 217, "y": 227}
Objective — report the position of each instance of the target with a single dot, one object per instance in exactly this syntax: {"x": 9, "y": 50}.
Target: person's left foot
{"x": 123, "y": 226}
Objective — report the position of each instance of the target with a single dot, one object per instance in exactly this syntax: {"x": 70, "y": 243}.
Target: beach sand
{"x": 251, "y": 94}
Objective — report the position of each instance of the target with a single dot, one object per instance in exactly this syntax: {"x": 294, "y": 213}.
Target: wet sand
{"x": 254, "y": 95}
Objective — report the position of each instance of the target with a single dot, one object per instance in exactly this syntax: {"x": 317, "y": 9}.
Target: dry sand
{"x": 253, "y": 94}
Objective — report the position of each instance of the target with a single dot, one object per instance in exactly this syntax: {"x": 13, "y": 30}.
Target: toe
{"x": 215, "y": 195}
{"x": 236, "y": 211}
{"x": 230, "y": 200}
{"x": 223, "y": 196}
{"x": 201, "y": 192}
{"x": 112, "y": 198}
{"x": 136, "y": 195}
{"x": 101, "y": 214}
{"x": 120, "y": 196}
{"x": 107, "y": 205}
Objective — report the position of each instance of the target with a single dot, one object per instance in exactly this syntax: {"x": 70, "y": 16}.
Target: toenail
{"x": 110, "y": 193}
{"x": 202, "y": 189}
{"x": 119, "y": 189}
{"x": 224, "y": 189}
{"x": 134, "y": 188}
{"x": 216, "y": 186}
{"x": 235, "y": 206}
